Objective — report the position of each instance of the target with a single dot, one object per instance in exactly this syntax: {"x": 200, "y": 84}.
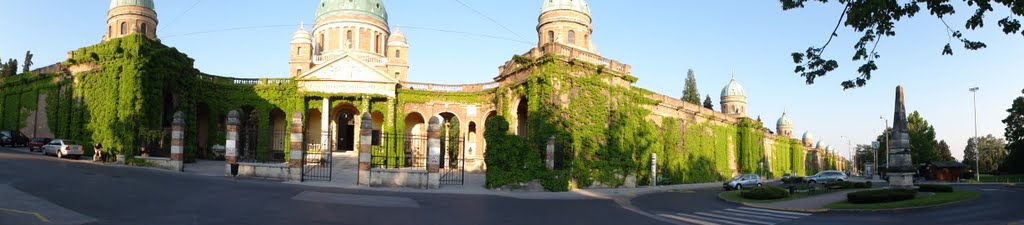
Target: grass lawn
{"x": 734, "y": 196}
{"x": 938, "y": 198}
{"x": 1002, "y": 178}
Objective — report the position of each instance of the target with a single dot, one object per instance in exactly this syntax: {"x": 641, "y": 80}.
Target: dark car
{"x": 37, "y": 144}
{"x": 13, "y": 138}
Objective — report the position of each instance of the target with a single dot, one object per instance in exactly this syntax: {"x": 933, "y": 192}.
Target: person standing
{"x": 97, "y": 156}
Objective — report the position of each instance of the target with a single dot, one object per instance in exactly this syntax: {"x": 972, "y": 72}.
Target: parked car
{"x": 745, "y": 180}
{"x": 828, "y": 176}
{"x": 63, "y": 148}
{"x": 13, "y": 138}
{"x": 37, "y": 144}
{"x": 786, "y": 176}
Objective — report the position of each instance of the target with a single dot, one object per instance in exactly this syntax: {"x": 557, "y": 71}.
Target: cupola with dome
{"x": 784, "y": 127}
{"x": 351, "y": 26}
{"x": 127, "y": 17}
{"x": 808, "y": 139}
{"x": 734, "y": 99}
{"x": 566, "y": 22}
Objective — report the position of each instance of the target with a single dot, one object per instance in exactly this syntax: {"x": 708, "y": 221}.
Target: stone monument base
{"x": 901, "y": 180}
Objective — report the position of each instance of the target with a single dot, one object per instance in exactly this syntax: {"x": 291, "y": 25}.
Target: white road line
{"x": 764, "y": 214}
{"x": 733, "y": 218}
{"x": 747, "y": 215}
{"x": 710, "y": 219}
{"x": 688, "y": 220}
{"x": 776, "y": 211}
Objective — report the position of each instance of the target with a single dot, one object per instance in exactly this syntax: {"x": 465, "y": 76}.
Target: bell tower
{"x": 565, "y": 22}
{"x": 127, "y": 17}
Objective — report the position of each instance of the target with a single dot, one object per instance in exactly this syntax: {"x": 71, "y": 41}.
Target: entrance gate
{"x": 401, "y": 151}
{"x": 316, "y": 159}
{"x": 453, "y": 164}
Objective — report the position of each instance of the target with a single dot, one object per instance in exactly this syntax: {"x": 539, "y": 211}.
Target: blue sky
{"x": 661, "y": 39}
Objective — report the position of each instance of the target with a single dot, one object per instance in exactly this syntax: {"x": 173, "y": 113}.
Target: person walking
{"x": 97, "y": 156}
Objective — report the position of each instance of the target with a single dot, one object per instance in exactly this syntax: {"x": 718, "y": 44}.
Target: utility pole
{"x": 977, "y": 150}
{"x": 887, "y": 140}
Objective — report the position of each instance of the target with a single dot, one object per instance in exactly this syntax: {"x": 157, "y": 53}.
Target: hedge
{"x": 934, "y": 188}
{"x": 765, "y": 193}
{"x": 880, "y": 196}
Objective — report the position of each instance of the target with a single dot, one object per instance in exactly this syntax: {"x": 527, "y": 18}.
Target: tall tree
{"x": 922, "y": 139}
{"x": 690, "y": 93}
{"x": 944, "y": 151}
{"x": 970, "y": 152}
{"x": 708, "y": 104}
{"x": 878, "y": 19}
{"x": 1015, "y": 137}
{"x": 28, "y": 62}
{"x": 993, "y": 152}
{"x": 10, "y": 68}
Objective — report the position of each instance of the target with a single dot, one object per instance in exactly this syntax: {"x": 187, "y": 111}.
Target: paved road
{"x": 44, "y": 190}
{"x": 996, "y": 204}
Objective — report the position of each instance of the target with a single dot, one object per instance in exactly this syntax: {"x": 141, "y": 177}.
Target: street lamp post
{"x": 886, "y": 131}
{"x": 977, "y": 150}
{"x": 849, "y": 150}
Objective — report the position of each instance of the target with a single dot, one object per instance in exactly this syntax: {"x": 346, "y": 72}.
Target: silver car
{"x": 63, "y": 148}
{"x": 828, "y": 176}
{"x": 745, "y": 180}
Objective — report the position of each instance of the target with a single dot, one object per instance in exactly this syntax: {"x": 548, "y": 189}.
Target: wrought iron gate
{"x": 316, "y": 159}
{"x": 247, "y": 139}
{"x": 453, "y": 151}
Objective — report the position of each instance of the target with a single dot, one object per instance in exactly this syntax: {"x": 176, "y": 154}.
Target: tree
{"x": 1014, "y": 161}
{"x": 877, "y": 19}
{"x": 690, "y": 93}
{"x": 28, "y": 62}
{"x": 922, "y": 139}
{"x": 708, "y": 104}
{"x": 863, "y": 155}
{"x": 993, "y": 152}
{"x": 883, "y": 142}
{"x": 944, "y": 152}
{"x": 10, "y": 68}
{"x": 970, "y": 151}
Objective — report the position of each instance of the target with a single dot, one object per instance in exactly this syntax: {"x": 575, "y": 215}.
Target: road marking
{"x": 38, "y": 216}
{"x": 688, "y": 220}
{"x": 776, "y": 211}
{"x": 734, "y": 218}
{"x": 358, "y": 200}
{"x": 763, "y": 214}
{"x": 749, "y": 215}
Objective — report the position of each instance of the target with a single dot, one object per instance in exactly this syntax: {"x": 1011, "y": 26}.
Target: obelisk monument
{"x": 901, "y": 168}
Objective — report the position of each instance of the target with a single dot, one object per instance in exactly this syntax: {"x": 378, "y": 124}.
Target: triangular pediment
{"x": 348, "y": 68}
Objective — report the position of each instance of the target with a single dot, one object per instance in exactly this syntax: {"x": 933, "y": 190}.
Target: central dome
{"x": 371, "y": 8}
{"x": 574, "y": 5}
{"x": 140, "y": 3}
{"x": 784, "y": 121}
{"x": 733, "y": 89}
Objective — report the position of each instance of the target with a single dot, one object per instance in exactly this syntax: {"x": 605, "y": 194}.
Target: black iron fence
{"x": 399, "y": 151}
{"x": 278, "y": 141}
{"x": 317, "y": 158}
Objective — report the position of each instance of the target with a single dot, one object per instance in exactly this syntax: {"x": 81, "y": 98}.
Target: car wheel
{"x": 739, "y": 187}
{"x": 60, "y": 154}
{"x": 839, "y": 180}
{"x": 813, "y": 182}
{"x": 758, "y": 184}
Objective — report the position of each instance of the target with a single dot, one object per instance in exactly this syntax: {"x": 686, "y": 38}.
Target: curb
{"x": 906, "y": 208}
{"x": 754, "y": 205}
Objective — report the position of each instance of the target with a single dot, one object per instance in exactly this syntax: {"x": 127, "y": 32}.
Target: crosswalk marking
{"x": 776, "y": 211}
{"x": 736, "y": 216}
{"x": 763, "y": 214}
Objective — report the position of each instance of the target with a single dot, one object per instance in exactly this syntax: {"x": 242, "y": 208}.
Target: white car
{"x": 828, "y": 176}
{"x": 63, "y": 148}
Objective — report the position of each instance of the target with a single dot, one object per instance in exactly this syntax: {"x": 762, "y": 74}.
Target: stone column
{"x": 178, "y": 141}
{"x": 434, "y": 152}
{"x": 325, "y": 125}
{"x": 654, "y": 169}
{"x": 549, "y": 155}
{"x": 231, "y": 145}
{"x": 365, "y": 145}
{"x": 295, "y": 152}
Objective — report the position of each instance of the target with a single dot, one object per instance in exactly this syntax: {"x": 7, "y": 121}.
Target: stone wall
{"x": 399, "y": 178}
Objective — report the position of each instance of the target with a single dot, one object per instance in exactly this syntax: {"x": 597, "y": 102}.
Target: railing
{"x": 399, "y": 151}
{"x": 570, "y": 53}
{"x": 365, "y": 57}
{"x": 243, "y": 81}
{"x": 449, "y": 88}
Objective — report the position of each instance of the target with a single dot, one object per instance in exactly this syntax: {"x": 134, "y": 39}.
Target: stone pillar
{"x": 434, "y": 152}
{"x": 654, "y": 169}
{"x": 325, "y": 124}
{"x": 295, "y": 152}
{"x": 231, "y": 145}
{"x": 178, "y": 141}
{"x": 365, "y": 145}
{"x": 549, "y": 155}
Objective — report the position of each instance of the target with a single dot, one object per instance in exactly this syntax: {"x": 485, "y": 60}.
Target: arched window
{"x": 398, "y": 53}
{"x": 320, "y": 43}
{"x": 145, "y": 30}
{"x": 551, "y": 36}
{"x": 586, "y": 40}
{"x": 376, "y": 46}
{"x": 572, "y": 37}
{"x": 110, "y": 31}
{"x": 124, "y": 28}
{"x": 298, "y": 51}
{"x": 348, "y": 39}
{"x": 298, "y": 71}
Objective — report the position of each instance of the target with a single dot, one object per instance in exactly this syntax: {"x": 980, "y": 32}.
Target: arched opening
{"x": 378, "y": 126}
{"x": 110, "y": 31}
{"x": 168, "y": 108}
{"x": 313, "y": 127}
{"x": 586, "y": 41}
{"x": 415, "y": 130}
{"x": 377, "y": 42}
{"x": 203, "y": 130}
{"x": 348, "y": 39}
{"x": 398, "y": 53}
{"x": 471, "y": 139}
{"x": 483, "y": 145}
{"x": 451, "y": 140}
{"x": 298, "y": 71}
{"x": 572, "y": 37}
{"x": 144, "y": 29}
{"x": 298, "y": 51}
{"x": 278, "y": 134}
{"x": 247, "y": 134}
{"x": 522, "y": 114}
{"x": 320, "y": 43}
{"x": 551, "y": 36}
{"x": 345, "y": 127}
{"x": 124, "y": 28}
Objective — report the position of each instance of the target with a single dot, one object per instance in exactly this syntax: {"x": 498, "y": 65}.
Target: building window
{"x": 124, "y": 28}
{"x": 551, "y": 36}
{"x": 298, "y": 51}
{"x": 348, "y": 39}
{"x": 572, "y": 37}
{"x": 398, "y": 54}
{"x": 298, "y": 71}
{"x": 320, "y": 43}
{"x": 376, "y": 46}
{"x": 586, "y": 40}
{"x": 145, "y": 31}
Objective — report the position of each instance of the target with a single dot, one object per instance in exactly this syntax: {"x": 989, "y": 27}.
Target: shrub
{"x": 879, "y": 196}
{"x": 865, "y": 184}
{"x": 765, "y": 193}
{"x": 793, "y": 180}
{"x": 934, "y": 188}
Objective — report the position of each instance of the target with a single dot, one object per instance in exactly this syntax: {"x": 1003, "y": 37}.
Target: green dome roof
{"x": 733, "y": 89}
{"x": 808, "y": 136}
{"x": 371, "y": 8}
{"x": 141, "y": 3}
{"x": 574, "y": 5}
{"x": 784, "y": 121}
